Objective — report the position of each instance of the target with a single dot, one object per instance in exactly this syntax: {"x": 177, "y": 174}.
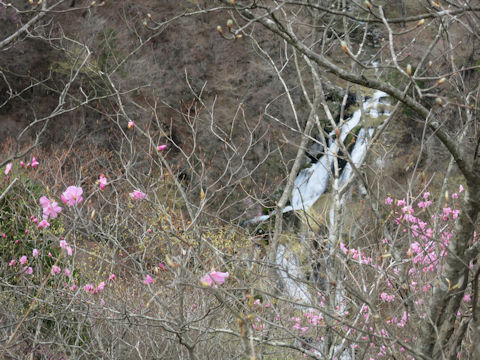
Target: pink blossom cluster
{"x": 33, "y": 164}
{"x": 214, "y": 278}
{"x": 92, "y": 289}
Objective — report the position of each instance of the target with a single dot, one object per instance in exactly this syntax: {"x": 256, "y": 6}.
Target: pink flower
{"x": 112, "y": 277}
{"x": 12, "y": 262}
{"x": 454, "y": 196}
{"x": 455, "y": 213}
{"x": 73, "y": 287}
{"x": 467, "y": 298}
{"x": 8, "y": 168}
{"x": 23, "y": 260}
{"x": 215, "y": 277}
{"x": 388, "y": 201}
{"x": 43, "y": 224}
{"x": 460, "y": 188}
{"x": 64, "y": 245}
{"x": 50, "y": 208}
{"x": 161, "y": 147}
{"x": 102, "y": 181}
{"x": 28, "y": 270}
{"x": 386, "y": 297}
{"x": 148, "y": 280}
{"x": 424, "y": 204}
{"x": 72, "y": 196}
{"x": 35, "y": 253}
{"x": 55, "y": 270}
{"x": 401, "y": 202}
{"x": 137, "y": 195}
{"x": 67, "y": 272}
{"x": 34, "y": 162}
{"x": 22, "y": 164}
{"x": 88, "y": 288}
{"x": 101, "y": 286}
{"x": 131, "y": 125}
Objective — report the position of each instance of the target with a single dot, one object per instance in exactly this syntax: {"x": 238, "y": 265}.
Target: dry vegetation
{"x": 95, "y": 88}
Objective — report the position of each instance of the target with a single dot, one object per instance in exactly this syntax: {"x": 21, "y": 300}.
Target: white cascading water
{"x": 310, "y": 184}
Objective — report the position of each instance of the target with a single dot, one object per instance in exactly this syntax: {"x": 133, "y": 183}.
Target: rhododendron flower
{"x": 386, "y": 297}
{"x": 64, "y": 245}
{"x": 72, "y": 196}
{"x": 67, "y": 272}
{"x": 460, "y": 188}
{"x": 35, "y": 253}
{"x": 23, "y": 260}
{"x": 34, "y": 162}
{"x": 50, "y": 208}
{"x": 424, "y": 204}
{"x": 55, "y": 270}
{"x": 401, "y": 202}
{"x": 100, "y": 286}
{"x": 161, "y": 147}
{"x": 214, "y": 278}
{"x": 102, "y": 181}
{"x": 455, "y": 213}
{"x": 131, "y": 125}
{"x": 467, "y": 298}
{"x": 112, "y": 277}
{"x": 22, "y": 164}
{"x": 43, "y": 224}
{"x": 137, "y": 195}
{"x": 12, "y": 262}
{"x": 388, "y": 201}
{"x": 148, "y": 280}
{"x": 88, "y": 288}
{"x": 8, "y": 168}
{"x": 28, "y": 270}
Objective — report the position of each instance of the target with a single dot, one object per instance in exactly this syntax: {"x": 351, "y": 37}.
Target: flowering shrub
{"x": 389, "y": 283}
